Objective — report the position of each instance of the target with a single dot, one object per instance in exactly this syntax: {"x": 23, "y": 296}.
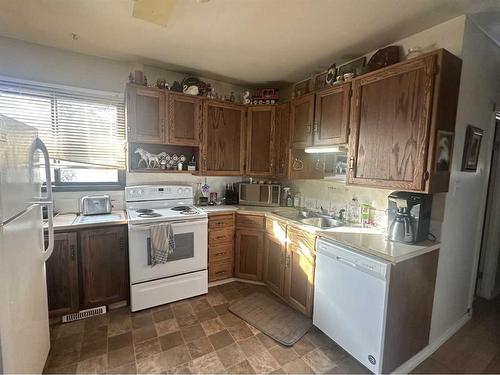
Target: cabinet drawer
{"x": 220, "y": 271}
{"x": 221, "y": 221}
{"x": 301, "y": 239}
{"x": 220, "y": 236}
{"x": 217, "y": 253}
{"x": 250, "y": 221}
{"x": 276, "y": 228}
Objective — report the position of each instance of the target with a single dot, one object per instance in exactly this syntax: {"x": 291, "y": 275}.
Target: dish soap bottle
{"x": 354, "y": 211}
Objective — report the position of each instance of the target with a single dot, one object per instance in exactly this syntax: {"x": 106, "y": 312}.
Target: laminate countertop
{"x": 371, "y": 241}
{"x": 70, "y": 221}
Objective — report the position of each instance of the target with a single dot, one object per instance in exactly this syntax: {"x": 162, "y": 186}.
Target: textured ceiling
{"x": 241, "y": 41}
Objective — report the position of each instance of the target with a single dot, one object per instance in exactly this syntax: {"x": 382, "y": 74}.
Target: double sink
{"x": 314, "y": 219}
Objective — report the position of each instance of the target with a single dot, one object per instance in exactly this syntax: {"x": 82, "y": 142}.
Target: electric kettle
{"x": 401, "y": 228}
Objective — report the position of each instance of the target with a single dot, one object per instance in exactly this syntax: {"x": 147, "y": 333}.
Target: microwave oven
{"x": 259, "y": 194}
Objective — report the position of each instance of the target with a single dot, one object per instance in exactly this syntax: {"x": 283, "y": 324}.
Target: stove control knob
{"x": 179, "y": 190}
{"x": 186, "y": 190}
{"x": 139, "y": 192}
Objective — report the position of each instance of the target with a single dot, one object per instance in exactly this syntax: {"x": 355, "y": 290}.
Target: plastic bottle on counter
{"x": 354, "y": 211}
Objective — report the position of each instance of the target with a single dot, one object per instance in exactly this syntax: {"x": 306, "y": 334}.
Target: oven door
{"x": 190, "y": 252}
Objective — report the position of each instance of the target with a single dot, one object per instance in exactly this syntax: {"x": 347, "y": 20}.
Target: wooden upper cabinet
{"x": 184, "y": 119}
{"x": 331, "y": 116}
{"x": 396, "y": 113}
{"x": 223, "y": 146}
{"x": 145, "y": 114}
{"x": 282, "y": 139}
{"x": 62, "y": 276}
{"x": 301, "y": 121}
{"x": 260, "y": 141}
{"x": 104, "y": 266}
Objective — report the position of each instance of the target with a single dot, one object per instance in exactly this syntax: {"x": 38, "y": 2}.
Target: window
{"x": 84, "y": 132}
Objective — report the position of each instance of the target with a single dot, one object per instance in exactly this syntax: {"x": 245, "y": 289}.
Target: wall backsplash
{"x": 334, "y": 195}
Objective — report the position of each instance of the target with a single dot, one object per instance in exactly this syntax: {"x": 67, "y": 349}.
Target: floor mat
{"x": 272, "y": 317}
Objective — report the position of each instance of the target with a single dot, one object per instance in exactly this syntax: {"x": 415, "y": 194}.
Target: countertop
{"x": 371, "y": 241}
{"x": 69, "y": 221}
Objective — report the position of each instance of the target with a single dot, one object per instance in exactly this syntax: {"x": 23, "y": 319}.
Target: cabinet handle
{"x": 351, "y": 163}
{"x": 308, "y": 128}
{"x": 73, "y": 252}
{"x": 121, "y": 244}
{"x": 287, "y": 261}
{"x": 315, "y": 130}
{"x": 220, "y": 272}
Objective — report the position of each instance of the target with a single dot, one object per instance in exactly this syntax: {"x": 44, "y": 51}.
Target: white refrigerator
{"x": 24, "y": 325}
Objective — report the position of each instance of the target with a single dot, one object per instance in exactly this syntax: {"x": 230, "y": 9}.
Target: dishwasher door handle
{"x": 345, "y": 261}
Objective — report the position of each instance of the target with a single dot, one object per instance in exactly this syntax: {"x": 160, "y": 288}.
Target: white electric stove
{"x": 185, "y": 273}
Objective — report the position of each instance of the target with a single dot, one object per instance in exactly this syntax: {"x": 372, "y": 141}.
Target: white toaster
{"x": 95, "y": 205}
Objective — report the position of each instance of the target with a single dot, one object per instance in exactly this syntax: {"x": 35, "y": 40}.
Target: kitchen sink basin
{"x": 322, "y": 222}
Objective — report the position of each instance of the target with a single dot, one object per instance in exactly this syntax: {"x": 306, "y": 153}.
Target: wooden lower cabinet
{"x": 104, "y": 266}
{"x": 299, "y": 279}
{"x": 289, "y": 263}
{"x": 62, "y": 275}
{"x": 88, "y": 268}
{"x": 274, "y": 261}
{"x": 249, "y": 254}
{"x": 220, "y": 246}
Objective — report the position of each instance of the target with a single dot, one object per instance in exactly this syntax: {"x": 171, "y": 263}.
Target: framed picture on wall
{"x": 472, "y": 146}
{"x": 444, "y": 151}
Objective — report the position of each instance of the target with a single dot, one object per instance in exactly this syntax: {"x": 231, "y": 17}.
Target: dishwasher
{"x": 350, "y": 299}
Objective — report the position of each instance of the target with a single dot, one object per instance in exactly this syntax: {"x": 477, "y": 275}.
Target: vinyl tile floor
{"x": 474, "y": 349}
{"x": 194, "y": 336}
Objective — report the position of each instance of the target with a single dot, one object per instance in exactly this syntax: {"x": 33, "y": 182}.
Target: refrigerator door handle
{"x": 46, "y": 201}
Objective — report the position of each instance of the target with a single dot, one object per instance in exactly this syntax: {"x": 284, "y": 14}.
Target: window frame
{"x": 57, "y": 184}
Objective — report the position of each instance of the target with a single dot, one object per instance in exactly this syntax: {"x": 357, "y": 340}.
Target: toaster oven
{"x": 259, "y": 194}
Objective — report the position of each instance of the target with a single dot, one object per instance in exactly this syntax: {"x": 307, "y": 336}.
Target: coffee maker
{"x": 409, "y": 216}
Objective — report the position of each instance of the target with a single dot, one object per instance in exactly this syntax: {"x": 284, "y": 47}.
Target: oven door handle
{"x": 148, "y": 251}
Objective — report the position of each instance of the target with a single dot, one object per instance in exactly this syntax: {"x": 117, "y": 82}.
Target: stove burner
{"x": 150, "y": 214}
{"x": 181, "y": 208}
{"x": 144, "y": 211}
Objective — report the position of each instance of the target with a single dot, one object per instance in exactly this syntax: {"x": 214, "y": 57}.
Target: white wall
{"x": 28, "y": 61}
{"x": 464, "y": 210}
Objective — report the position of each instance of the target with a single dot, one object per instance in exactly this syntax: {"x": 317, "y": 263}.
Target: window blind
{"x": 76, "y": 126}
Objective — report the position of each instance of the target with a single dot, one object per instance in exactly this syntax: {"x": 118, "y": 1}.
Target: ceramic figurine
{"x": 149, "y": 159}
{"x": 232, "y": 98}
{"x": 246, "y": 97}
{"x": 191, "y": 90}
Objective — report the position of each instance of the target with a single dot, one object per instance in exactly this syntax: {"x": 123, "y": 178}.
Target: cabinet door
{"x": 145, "y": 115}
{"x": 184, "y": 118}
{"x": 331, "y": 117}
{"x": 248, "y": 254}
{"x": 62, "y": 276}
{"x": 302, "y": 165}
{"x": 223, "y": 146}
{"x": 282, "y": 139}
{"x": 260, "y": 141}
{"x": 390, "y": 118}
{"x": 299, "y": 279}
{"x": 301, "y": 121}
{"x": 274, "y": 263}
{"x": 104, "y": 266}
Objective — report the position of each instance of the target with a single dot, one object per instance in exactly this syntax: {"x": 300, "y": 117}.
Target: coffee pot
{"x": 401, "y": 229}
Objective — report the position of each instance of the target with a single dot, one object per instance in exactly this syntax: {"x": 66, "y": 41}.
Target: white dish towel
{"x": 162, "y": 243}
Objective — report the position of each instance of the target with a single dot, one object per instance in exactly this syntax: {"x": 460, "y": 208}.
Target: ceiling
{"x": 240, "y": 41}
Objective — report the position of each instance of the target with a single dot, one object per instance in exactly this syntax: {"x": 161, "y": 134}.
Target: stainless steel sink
{"x": 322, "y": 222}
{"x": 310, "y": 218}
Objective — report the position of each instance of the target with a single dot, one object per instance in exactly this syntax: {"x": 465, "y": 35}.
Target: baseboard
{"x": 426, "y": 352}
{"x": 231, "y": 279}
